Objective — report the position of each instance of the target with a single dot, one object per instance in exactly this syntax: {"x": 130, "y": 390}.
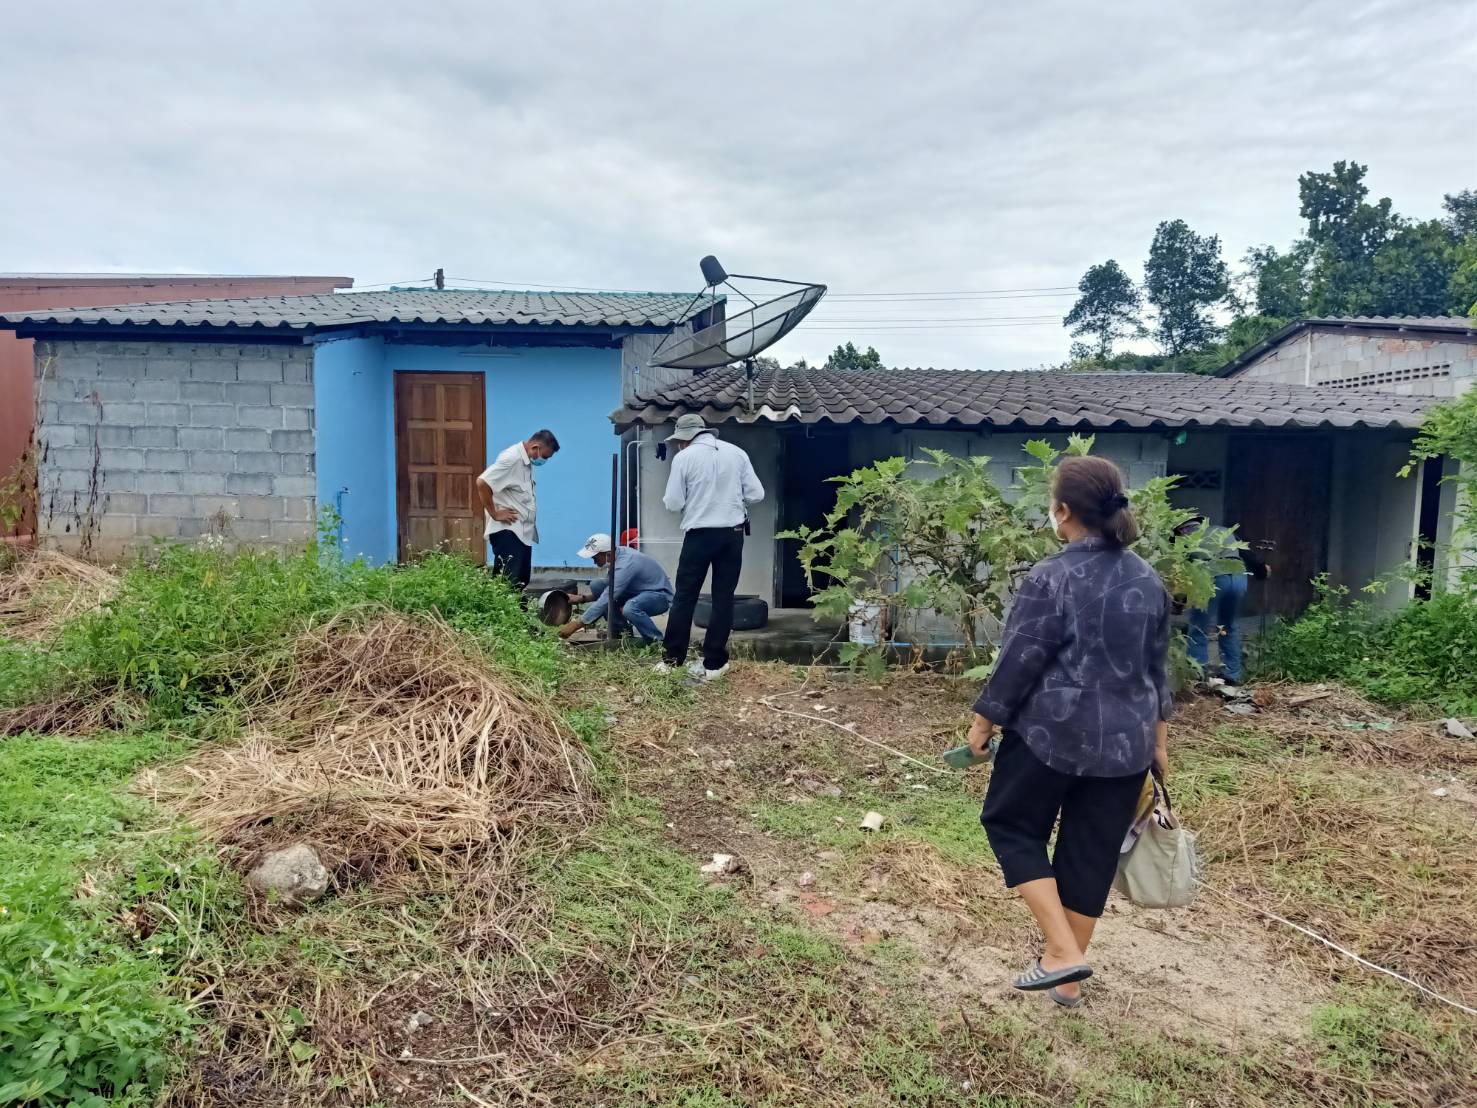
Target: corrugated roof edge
{"x": 650, "y": 416}
{"x": 1443, "y": 325}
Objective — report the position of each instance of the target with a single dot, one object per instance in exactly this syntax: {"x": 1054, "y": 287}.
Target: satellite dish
{"x": 740, "y": 337}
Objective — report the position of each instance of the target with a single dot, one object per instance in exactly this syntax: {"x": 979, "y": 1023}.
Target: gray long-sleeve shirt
{"x": 1082, "y": 672}
{"x": 635, "y": 573}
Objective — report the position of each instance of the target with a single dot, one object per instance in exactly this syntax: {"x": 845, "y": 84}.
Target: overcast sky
{"x": 938, "y": 147}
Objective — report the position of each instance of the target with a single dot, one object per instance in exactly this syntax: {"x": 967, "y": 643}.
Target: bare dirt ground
{"x": 740, "y": 778}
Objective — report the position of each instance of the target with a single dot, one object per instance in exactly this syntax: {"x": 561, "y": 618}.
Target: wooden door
{"x": 440, "y": 450}
{"x": 1277, "y": 493}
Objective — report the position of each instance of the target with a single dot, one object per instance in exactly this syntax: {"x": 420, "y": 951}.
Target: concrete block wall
{"x": 1403, "y": 364}
{"x": 174, "y": 440}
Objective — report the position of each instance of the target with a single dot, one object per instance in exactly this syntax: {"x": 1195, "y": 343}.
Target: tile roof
{"x": 1441, "y": 325}
{"x": 1024, "y": 399}
{"x": 348, "y": 309}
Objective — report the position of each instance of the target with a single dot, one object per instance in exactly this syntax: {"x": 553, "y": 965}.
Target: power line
{"x": 935, "y": 319}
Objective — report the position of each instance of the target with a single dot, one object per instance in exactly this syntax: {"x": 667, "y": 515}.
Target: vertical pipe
{"x": 612, "y": 611}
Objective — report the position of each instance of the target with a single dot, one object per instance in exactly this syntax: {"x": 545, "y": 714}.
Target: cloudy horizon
{"x": 948, "y": 170}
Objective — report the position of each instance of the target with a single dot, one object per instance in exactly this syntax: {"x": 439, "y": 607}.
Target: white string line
{"x": 850, "y": 730}
{"x": 1342, "y": 950}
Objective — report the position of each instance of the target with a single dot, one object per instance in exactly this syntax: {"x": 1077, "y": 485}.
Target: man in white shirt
{"x": 509, "y": 502}
{"x": 712, "y": 484}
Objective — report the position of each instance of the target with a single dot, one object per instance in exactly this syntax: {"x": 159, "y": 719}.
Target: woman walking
{"x": 1081, "y": 697}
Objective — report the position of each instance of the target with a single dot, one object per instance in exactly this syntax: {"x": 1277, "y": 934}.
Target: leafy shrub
{"x": 1419, "y": 655}
{"x": 956, "y": 544}
{"x": 188, "y": 625}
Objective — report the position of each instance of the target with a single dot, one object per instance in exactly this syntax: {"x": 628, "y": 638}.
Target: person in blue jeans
{"x": 1220, "y": 616}
{"x": 642, "y": 590}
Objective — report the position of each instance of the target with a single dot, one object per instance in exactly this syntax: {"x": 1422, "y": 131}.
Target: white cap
{"x": 598, "y": 543}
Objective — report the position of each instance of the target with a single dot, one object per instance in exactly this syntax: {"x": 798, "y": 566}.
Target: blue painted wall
{"x": 354, "y": 418}
{"x": 570, "y": 390}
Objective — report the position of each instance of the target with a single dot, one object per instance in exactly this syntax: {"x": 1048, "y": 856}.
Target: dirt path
{"x": 1208, "y": 970}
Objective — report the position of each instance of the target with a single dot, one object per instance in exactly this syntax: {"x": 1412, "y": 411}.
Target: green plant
{"x": 1450, "y": 432}
{"x": 85, "y": 1017}
{"x": 955, "y": 544}
{"x": 1419, "y": 655}
{"x": 189, "y": 625}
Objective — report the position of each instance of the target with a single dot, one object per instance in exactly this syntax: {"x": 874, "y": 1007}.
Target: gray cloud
{"x": 877, "y": 147}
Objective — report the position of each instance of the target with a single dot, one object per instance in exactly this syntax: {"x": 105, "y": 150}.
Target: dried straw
{"x": 391, "y": 750}
{"x": 43, "y": 589}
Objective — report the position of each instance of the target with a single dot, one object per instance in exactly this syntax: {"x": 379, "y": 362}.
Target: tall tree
{"x": 1345, "y": 232}
{"x": 1184, "y": 279}
{"x": 1461, "y": 212}
{"x": 1277, "y": 281}
{"x": 1412, "y": 271}
{"x": 849, "y": 357}
{"x": 1107, "y": 309}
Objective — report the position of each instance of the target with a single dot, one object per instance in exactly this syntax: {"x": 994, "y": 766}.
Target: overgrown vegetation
{"x": 1355, "y": 257}
{"x": 1421, "y": 654}
{"x": 953, "y": 544}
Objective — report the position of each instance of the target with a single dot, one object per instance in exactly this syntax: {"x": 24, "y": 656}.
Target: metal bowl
{"x": 554, "y": 608}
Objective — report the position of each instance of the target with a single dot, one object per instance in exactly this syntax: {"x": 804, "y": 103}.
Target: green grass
{"x": 85, "y": 1013}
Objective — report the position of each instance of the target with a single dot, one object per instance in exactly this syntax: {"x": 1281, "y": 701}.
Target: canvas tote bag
{"x": 1162, "y": 870}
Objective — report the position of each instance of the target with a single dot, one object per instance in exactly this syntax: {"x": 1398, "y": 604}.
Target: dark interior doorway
{"x": 1277, "y": 494}
{"x": 1430, "y": 523}
{"x": 808, "y": 459}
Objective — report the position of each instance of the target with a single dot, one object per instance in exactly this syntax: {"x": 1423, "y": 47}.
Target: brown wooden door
{"x": 440, "y": 450}
{"x": 1277, "y": 494}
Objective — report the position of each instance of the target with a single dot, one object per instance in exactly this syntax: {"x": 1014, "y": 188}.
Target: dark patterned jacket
{"x": 1081, "y": 675}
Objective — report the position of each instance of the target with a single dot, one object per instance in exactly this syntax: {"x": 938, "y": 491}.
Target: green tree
{"x": 1107, "y": 309}
{"x": 1184, "y": 279}
{"x": 1461, "y": 212}
{"x": 849, "y": 357}
{"x": 1412, "y": 271}
{"x": 1345, "y": 232}
{"x": 1277, "y": 280}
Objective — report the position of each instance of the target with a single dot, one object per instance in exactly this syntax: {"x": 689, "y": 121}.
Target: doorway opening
{"x": 808, "y": 459}
{"x": 1430, "y": 524}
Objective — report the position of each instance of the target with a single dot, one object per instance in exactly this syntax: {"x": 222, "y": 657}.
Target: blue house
{"x": 251, "y": 415}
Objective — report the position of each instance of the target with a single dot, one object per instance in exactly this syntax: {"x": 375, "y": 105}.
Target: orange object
{"x": 629, "y": 537}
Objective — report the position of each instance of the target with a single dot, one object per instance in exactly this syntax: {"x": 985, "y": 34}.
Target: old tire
{"x": 749, "y": 612}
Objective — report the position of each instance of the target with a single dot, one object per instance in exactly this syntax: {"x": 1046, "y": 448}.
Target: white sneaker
{"x": 703, "y": 673}
{"x": 664, "y": 666}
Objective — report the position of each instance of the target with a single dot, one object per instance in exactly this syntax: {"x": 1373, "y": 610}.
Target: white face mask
{"x": 1056, "y": 527}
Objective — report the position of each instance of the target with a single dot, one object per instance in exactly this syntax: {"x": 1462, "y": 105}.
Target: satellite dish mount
{"x": 775, "y": 307}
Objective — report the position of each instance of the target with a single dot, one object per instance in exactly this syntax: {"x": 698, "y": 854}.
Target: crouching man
{"x": 642, "y": 590}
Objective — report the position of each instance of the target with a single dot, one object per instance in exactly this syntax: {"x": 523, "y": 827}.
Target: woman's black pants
{"x": 1022, "y": 804}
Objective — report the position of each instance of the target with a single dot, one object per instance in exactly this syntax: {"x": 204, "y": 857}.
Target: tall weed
{"x": 1421, "y": 655}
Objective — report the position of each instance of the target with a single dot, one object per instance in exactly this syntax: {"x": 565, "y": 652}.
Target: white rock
{"x": 417, "y": 1021}
{"x": 1457, "y": 729}
{"x": 1440, "y": 792}
{"x": 872, "y": 821}
{"x": 294, "y": 873}
{"x": 721, "y": 864}
{"x": 807, "y": 879}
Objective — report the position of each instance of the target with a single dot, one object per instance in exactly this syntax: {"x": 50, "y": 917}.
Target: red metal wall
{"x": 25, "y": 292}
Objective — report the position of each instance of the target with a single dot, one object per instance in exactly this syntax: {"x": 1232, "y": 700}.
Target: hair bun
{"x": 1113, "y": 504}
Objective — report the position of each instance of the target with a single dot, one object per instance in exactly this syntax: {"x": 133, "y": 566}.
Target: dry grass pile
{"x": 1357, "y": 859}
{"x": 392, "y": 751}
{"x": 42, "y": 589}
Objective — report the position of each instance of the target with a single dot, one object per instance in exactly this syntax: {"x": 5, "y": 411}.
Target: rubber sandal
{"x": 1065, "y": 1001}
{"x": 1037, "y": 978}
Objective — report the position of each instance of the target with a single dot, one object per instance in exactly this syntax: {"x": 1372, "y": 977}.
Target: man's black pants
{"x": 720, "y": 549}
{"x": 511, "y": 557}
{"x": 1022, "y": 803}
